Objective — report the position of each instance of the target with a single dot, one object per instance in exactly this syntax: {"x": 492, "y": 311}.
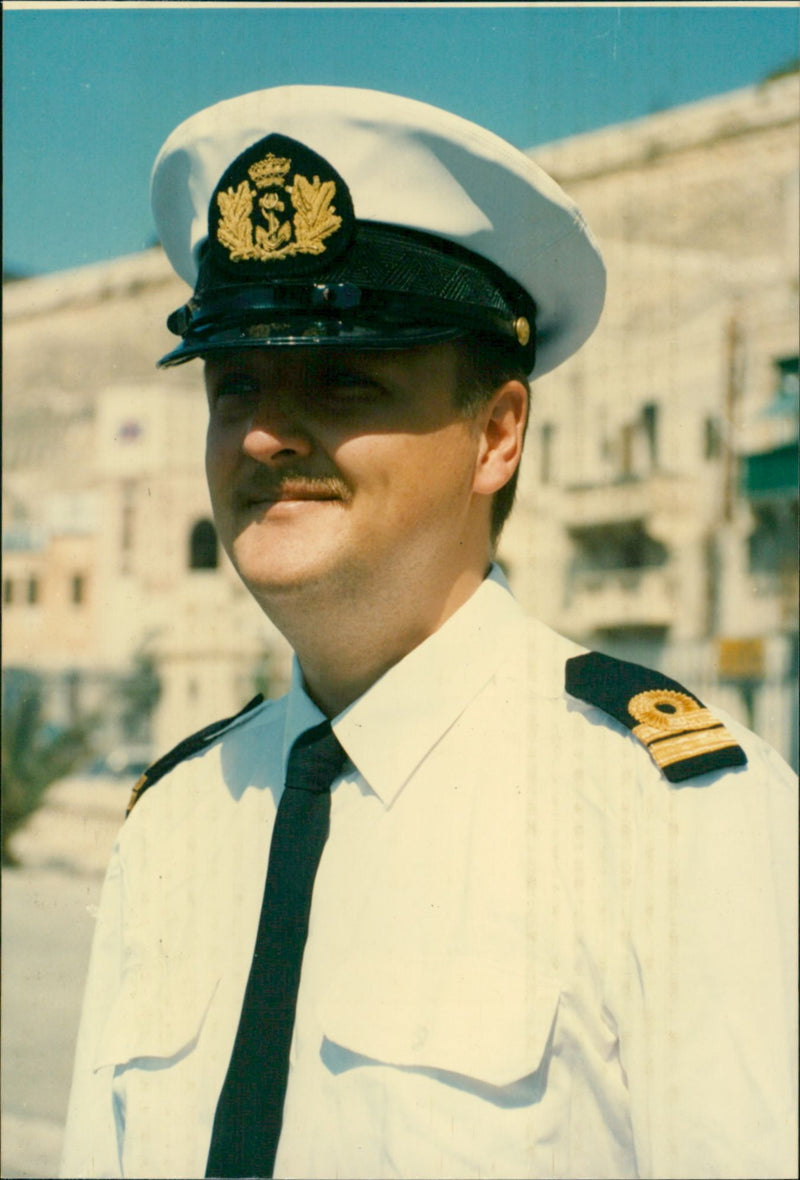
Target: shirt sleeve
{"x": 706, "y": 1007}
{"x": 92, "y": 1132}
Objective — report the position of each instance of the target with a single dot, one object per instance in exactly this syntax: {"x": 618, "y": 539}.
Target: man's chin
{"x": 273, "y": 580}
{"x": 288, "y": 554}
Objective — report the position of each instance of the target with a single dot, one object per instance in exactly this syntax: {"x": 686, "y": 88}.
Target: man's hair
{"x": 484, "y": 365}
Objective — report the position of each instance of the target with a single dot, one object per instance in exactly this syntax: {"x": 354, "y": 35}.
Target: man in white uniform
{"x": 546, "y": 925}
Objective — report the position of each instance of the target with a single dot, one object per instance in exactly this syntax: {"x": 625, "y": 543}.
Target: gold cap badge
{"x": 279, "y": 203}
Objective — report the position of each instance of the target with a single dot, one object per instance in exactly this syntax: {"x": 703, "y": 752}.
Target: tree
{"x": 138, "y": 694}
{"x": 34, "y": 753}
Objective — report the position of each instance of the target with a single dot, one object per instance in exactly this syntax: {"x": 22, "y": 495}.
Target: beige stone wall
{"x": 718, "y": 175}
{"x": 86, "y": 411}
{"x": 57, "y": 630}
{"x": 111, "y": 315}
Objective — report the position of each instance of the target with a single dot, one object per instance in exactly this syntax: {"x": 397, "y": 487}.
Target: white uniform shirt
{"x": 529, "y": 954}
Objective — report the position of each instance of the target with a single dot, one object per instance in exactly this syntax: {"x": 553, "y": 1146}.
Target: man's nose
{"x": 275, "y": 431}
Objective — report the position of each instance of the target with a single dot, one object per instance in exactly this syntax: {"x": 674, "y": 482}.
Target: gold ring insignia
{"x": 665, "y": 709}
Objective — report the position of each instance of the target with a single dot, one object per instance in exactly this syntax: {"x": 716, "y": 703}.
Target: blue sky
{"x": 91, "y": 91}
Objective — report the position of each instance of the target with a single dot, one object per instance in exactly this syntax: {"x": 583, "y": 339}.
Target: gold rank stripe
{"x": 676, "y": 723}
{"x": 668, "y": 750}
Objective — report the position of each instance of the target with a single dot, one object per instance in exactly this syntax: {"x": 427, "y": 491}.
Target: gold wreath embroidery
{"x": 674, "y": 727}
{"x": 314, "y": 220}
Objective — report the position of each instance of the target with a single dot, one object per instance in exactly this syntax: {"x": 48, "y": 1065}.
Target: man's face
{"x": 342, "y": 471}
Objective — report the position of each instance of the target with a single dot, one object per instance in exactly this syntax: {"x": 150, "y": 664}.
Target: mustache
{"x": 294, "y": 485}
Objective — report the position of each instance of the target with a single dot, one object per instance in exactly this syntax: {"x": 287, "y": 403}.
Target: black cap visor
{"x": 391, "y": 289}
{"x": 318, "y": 315}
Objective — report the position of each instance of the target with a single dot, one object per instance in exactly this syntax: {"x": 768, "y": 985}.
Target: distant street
{"x": 48, "y": 921}
{"x": 47, "y": 929}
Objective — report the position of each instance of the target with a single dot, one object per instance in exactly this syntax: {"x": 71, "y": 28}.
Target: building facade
{"x": 658, "y": 504}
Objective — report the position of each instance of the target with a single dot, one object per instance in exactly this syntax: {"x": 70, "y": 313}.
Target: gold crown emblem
{"x": 277, "y": 203}
{"x": 271, "y": 170}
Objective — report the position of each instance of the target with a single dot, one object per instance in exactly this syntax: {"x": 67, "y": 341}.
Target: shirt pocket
{"x": 461, "y": 1018}
{"x": 155, "y": 1020}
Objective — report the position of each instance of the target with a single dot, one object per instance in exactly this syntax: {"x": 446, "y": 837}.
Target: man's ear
{"x": 502, "y": 422}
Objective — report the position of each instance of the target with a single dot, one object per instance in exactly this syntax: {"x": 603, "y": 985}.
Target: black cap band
{"x": 390, "y": 289}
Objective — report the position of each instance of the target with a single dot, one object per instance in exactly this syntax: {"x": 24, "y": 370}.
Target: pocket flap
{"x": 462, "y": 1016}
{"x": 151, "y": 1019}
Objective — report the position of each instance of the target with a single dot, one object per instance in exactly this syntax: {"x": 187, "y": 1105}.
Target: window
{"x": 203, "y": 546}
{"x": 78, "y": 589}
{"x": 8, "y": 591}
{"x": 624, "y": 545}
{"x": 772, "y": 546}
{"x": 128, "y": 516}
{"x": 650, "y": 424}
{"x": 626, "y": 440}
{"x": 126, "y": 535}
{"x": 546, "y": 465}
{"x": 712, "y": 443}
{"x": 127, "y": 532}
{"x": 787, "y": 374}
{"x": 33, "y": 591}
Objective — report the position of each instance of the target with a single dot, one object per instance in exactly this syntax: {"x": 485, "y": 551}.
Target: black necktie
{"x": 247, "y": 1124}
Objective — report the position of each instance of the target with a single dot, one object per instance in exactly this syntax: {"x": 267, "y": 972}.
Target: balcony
{"x": 612, "y": 598}
{"x": 658, "y": 496}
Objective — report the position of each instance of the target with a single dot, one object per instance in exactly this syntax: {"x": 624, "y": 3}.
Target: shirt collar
{"x": 391, "y": 727}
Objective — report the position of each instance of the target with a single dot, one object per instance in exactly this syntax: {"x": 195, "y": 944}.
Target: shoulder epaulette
{"x": 185, "y": 749}
{"x": 683, "y": 738}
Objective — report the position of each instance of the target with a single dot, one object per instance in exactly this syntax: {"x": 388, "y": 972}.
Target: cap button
{"x": 523, "y": 330}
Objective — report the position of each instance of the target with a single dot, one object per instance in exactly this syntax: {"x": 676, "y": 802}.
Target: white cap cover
{"x": 405, "y": 164}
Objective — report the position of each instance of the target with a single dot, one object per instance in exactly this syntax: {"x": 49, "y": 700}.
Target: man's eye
{"x": 234, "y": 386}
{"x": 349, "y": 388}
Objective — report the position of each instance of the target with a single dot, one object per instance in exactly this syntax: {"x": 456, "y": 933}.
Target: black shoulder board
{"x": 184, "y": 749}
{"x": 683, "y": 738}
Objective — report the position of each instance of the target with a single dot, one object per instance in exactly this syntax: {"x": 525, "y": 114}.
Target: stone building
{"x": 659, "y": 498}
{"x": 109, "y": 549}
{"x": 657, "y": 511}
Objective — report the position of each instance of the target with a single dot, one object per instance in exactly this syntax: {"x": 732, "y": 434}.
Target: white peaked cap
{"x": 406, "y": 164}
